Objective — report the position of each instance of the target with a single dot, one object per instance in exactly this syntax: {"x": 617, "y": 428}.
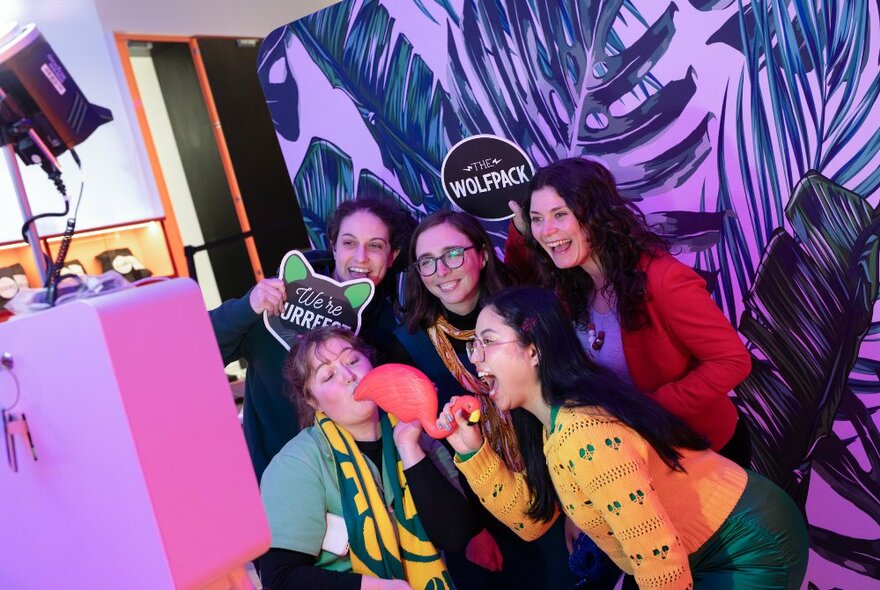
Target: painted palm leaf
{"x": 445, "y": 5}
{"x": 837, "y": 465}
{"x": 804, "y": 96}
{"x": 546, "y": 74}
{"x": 371, "y": 186}
{"x": 324, "y": 179}
{"x": 402, "y": 106}
{"x": 813, "y": 293}
{"x": 812, "y": 65}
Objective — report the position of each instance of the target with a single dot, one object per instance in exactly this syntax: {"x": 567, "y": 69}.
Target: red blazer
{"x": 690, "y": 357}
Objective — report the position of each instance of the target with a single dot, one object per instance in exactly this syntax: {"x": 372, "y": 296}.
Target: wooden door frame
{"x": 172, "y": 229}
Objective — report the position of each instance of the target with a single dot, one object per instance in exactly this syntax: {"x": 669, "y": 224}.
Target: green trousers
{"x": 762, "y": 544}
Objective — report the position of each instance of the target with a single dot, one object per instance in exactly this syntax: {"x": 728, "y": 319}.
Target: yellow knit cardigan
{"x": 616, "y": 488}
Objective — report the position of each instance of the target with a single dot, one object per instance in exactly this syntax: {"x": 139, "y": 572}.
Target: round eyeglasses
{"x": 476, "y": 348}
{"x": 452, "y": 259}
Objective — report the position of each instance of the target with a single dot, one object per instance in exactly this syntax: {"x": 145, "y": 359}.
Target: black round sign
{"x": 483, "y": 172}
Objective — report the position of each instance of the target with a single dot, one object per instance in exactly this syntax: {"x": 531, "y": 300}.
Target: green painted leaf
{"x": 401, "y": 104}
{"x": 807, "y": 312}
{"x": 323, "y": 181}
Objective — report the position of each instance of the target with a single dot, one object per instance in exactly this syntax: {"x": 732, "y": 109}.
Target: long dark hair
{"x": 423, "y": 308}
{"x": 617, "y": 234}
{"x": 569, "y": 378}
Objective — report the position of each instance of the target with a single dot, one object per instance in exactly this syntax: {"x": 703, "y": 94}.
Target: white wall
{"x": 253, "y": 18}
{"x": 116, "y": 190}
{"x": 173, "y": 173}
{"x": 120, "y": 186}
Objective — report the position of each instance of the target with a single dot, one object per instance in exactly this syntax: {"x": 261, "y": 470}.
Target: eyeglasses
{"x": 476, "y": 348}
{"x": 452, "y": 259}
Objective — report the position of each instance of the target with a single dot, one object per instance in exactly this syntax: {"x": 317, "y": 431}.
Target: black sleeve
{"x": 282, "y": 569}
{"x": 396, "y": 353}
{"x": 483, "y": 516}
{"x": 446, "y": 514}
{"x": 231, "y": 322}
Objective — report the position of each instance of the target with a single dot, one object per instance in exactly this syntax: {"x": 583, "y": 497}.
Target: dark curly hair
{"x": 395, "y": 216}
{"x": 400, "y": 223}
{"x": 423, "y": 308}
{"x": 616, "y": 231}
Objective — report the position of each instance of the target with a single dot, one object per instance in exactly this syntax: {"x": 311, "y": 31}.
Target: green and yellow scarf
{"x": 379, "y": 547}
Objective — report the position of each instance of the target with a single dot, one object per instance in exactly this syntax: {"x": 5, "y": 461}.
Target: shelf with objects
{"x": 136, "y": 251}
{"x": 17, "y": 271}
{"x": 43, "y": 115}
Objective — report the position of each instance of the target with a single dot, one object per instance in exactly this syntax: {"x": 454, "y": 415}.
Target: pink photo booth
{"x": 142, "y": 478}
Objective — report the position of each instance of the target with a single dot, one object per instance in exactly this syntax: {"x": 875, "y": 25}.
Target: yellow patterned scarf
{"x": 382, "y": 547}
{"x": 496, "y": 425}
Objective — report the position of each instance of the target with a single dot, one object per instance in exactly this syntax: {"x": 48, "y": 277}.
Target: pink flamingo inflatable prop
{"x": 407, "y": 393}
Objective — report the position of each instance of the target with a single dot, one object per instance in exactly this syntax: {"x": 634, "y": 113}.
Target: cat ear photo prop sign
{"x": 314, "y": 300}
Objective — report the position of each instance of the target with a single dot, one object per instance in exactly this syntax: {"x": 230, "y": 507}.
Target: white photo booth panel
{"x": 143, "y": 479}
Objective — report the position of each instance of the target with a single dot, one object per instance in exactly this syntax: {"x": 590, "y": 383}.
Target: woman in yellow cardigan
{"x": 635, "y": 478}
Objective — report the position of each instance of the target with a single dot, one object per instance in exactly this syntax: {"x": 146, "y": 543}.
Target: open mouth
{"x": 358, "y": 272}
{"x": 558, "y": 246}
{"x": 448, "y": 286}
{"x": 489, "y": 381}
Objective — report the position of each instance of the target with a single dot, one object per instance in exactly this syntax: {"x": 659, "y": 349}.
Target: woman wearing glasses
{"x": 454, "y": 270}
{"x": 637, "y": 479}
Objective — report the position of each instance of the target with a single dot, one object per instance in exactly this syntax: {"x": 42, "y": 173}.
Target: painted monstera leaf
{"x": 279, "y": 85}
{"x": 401, "y": 104}
{"x": 688, "y": 231}
{"x": 549, "y": 74}
{"x": 806, "y": 314}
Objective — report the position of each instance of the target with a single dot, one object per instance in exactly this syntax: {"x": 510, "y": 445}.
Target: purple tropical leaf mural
{"x": 279, "y": 86}
{"x": 550, "y": 75}
{"x": 757, "y": 116}
{"x": 809, "y": 307}
{"x": 401, "y": 104}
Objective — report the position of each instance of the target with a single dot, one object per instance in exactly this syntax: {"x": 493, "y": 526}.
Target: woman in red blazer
{"x": 640, "y": 313}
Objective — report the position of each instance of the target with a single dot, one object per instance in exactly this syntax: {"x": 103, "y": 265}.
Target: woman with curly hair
{"x": 639, "y": 312}
{"x": 357, "y": 500}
